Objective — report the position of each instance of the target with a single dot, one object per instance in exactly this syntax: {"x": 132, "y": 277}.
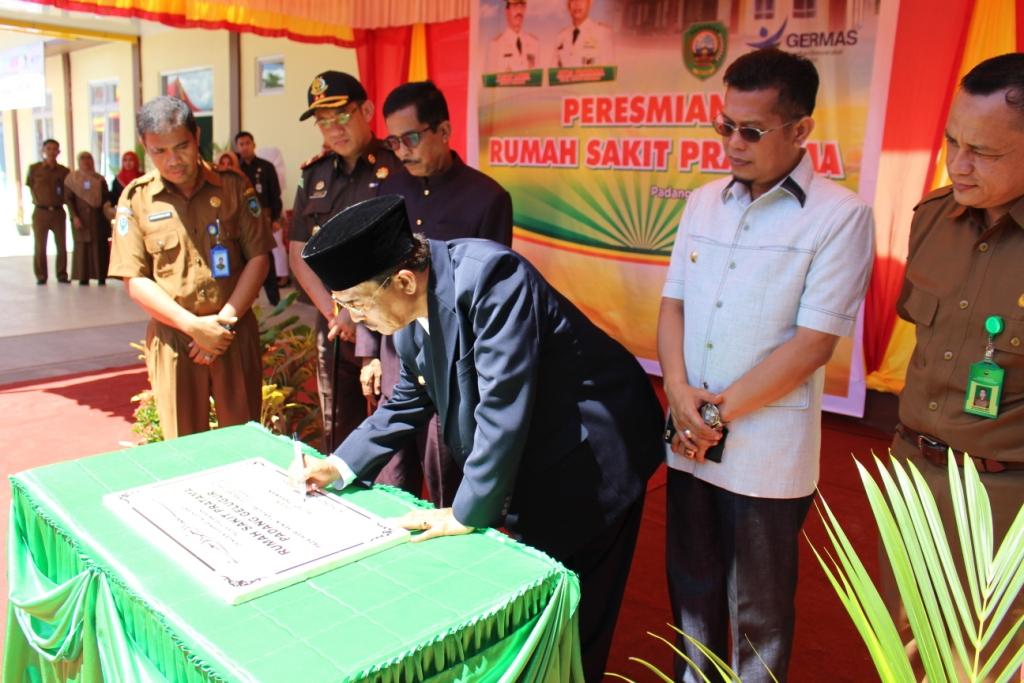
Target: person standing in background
{"x": 263, "y": 176}
{"x": 130, "y": 170}
{"x": 88, "y": 201}
{"x": 45, "y": 179}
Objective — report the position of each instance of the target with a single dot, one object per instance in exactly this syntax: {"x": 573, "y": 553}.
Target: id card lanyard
{"x": 220, "y": 260}
{"x": 985, "y": 378}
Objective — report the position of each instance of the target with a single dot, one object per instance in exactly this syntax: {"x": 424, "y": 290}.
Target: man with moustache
{"x": 445, "y": 199}
{"x": 964, "y": 290}
{"x": 349, "y": 169}
{"x": 768, "y": 270}
{"x": 192, "y": 250}
{"x": 513, "y": 49}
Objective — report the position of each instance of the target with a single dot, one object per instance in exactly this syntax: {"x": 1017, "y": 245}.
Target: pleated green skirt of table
{"x": 91, "y": 600}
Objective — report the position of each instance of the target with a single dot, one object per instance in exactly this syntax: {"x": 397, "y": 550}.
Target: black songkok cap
{"x": 332, "y": 89}
{"x": 364, "y": 240}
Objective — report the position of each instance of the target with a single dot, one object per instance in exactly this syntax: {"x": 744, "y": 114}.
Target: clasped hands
{"x": 211, "y": 336}
{"x": 693, "y": 437}
{"x": 317, "y": 474}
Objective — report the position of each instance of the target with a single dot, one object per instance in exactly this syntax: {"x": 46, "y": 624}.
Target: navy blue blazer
{"x": 554, "y": 423}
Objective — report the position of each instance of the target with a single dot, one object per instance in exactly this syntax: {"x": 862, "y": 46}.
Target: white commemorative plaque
{"x": 243, "y": 531}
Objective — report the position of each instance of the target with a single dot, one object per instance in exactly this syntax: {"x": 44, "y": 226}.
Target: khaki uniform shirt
{"x": 160, "y": 234}
{"x": 960, "y": 272}
{"x": 47, "y": 184}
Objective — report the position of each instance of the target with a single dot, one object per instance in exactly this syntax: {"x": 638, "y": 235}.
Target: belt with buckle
{"x": 937, "y": 452}
{"x": 49, "y": 208}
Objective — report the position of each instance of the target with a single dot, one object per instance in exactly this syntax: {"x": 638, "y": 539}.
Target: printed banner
{"x": 596, "y": 116}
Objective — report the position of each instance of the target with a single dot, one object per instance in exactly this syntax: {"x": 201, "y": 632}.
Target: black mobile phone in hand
{"x": 714, "y": 454}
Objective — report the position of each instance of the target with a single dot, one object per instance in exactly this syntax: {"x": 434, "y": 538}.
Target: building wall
{"x": 180, "y": 49}
{"x": 107, "y": 62}
{"x": 273, "y": 119}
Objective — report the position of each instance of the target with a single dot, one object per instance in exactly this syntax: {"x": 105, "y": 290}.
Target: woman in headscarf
{"x": 130, "y": 170}
{"x": 228, "y": 160}
{"x": 88, "y": 201}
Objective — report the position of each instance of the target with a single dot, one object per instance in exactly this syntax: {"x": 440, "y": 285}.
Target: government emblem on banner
{"x": 704, "y": 48}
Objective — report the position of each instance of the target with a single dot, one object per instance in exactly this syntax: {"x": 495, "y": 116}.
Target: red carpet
{"x": 79, "y": 415}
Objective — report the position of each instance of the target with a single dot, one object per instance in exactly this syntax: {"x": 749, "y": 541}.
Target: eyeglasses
{"x": 411, "y": 140}
{"x": 339, "y": 119}
{"x": 362, "y": 308}
{"x": 726, "y": 128}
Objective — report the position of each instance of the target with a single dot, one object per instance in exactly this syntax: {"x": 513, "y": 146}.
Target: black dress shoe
{"x": 83, "y": 283}
{"x": 101, "y": 282}
{"x": 64, "y": 280}
{"x": 40, "y": 282}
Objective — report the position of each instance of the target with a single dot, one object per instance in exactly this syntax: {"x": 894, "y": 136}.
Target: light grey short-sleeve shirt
{"x": 749, "y": 273}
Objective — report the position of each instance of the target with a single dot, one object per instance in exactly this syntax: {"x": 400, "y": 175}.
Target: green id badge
{"x": 984, "y": 389}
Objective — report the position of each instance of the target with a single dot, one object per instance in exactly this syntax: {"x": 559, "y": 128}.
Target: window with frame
{"x": 195, "y": 87}
{"x": 42, "y": 123}
{"x": 105, "y": 127}
{"x": 764, "y": 9}
{"x": 805, "y": 9}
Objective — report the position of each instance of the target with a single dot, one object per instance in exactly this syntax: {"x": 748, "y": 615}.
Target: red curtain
{"x": 384, "y": 56}
{"x": 929, "y": 49}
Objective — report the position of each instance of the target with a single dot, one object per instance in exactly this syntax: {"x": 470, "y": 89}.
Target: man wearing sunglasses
{"x": 350, "y": 168}
{"x": 768, "y": 270}
{"x": 445, "y": 200}
{"x": 554, "y": 423}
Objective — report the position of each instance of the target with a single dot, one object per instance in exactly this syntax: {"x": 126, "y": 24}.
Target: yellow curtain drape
{"x": 418, "y": 53}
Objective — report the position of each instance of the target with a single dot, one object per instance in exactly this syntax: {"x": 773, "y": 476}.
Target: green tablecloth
{"x": 91, "y": 600}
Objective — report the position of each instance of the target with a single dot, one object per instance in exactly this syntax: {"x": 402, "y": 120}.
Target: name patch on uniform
{"x": 162, "y": 216}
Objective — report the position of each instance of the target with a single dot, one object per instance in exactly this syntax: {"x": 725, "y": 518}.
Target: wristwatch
{"x": 711, "y": 415}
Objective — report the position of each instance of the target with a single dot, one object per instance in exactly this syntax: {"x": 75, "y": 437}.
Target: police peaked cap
{"x": 332, "y": 89}
{"x": 364, "y": 240}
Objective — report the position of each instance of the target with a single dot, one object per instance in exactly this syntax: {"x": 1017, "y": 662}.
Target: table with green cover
{"x": 91, "y": 600}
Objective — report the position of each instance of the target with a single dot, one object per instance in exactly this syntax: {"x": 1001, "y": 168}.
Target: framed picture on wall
{"x": 270, "y": 75}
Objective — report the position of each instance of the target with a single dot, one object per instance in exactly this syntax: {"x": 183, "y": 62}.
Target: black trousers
{"x": 732, "y": 574}
{"x": 602, "y": 565}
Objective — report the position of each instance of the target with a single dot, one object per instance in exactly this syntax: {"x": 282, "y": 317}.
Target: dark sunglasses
{"x": 726, "y": 128}
{"x": 411, "y": 140}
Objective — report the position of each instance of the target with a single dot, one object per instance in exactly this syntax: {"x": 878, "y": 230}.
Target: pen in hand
{"x": 299, "y": 464}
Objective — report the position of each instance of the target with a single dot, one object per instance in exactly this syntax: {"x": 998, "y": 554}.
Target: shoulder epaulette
{"x": 144, "y": 179}
{"x": 940, "y": 193}
{"x": 312, "y": 160}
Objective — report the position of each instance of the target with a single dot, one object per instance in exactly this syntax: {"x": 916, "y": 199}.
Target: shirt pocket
{"x": 165, "y": 250}
{"x": 921, "y": 306}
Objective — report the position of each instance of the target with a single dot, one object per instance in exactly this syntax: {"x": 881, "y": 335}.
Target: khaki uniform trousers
{"x": 182, "y": 388}
{"x": 44, "y": 221}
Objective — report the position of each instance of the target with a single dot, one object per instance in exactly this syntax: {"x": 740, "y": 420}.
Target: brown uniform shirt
{"x": 161, "y": 235}
{"x": 959, "y": 273}
{"x": 47, "y": 184}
